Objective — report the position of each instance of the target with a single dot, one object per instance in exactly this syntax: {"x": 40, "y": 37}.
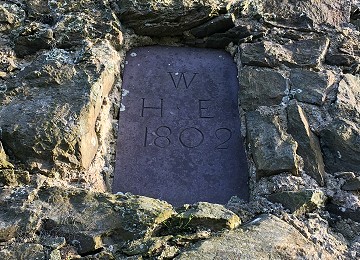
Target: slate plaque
{"x": 179, "y": 128}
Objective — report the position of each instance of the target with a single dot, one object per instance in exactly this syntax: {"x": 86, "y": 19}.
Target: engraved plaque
{"x": 179, "y": 128}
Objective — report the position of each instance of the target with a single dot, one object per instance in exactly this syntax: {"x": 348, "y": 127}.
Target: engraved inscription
{"x": 179, "y": 79}
{"x": 191, "y": 137}
{"x": 160, "y": 108}
{"x": 203, "y": 108}
{"x": 223, "y": 135}
{"x": 179, "y": 137}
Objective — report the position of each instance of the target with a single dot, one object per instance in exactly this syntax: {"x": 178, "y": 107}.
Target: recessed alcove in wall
{"x": 179, "y": 135}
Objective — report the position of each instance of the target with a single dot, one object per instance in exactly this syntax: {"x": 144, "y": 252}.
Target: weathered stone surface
{"x": 300, "y": 202}
{"x": 348, "y": 99}
{"x": 339, "y": 210}
{"x": 355, "y": 15}
{"x": 56, "y": 127}
{"x": 85, "y": 219}
{"x": 340, "y": 144}
{"x": 311, "y": 87}
{"x": 149, "y": 247}
{"x": 218, "y": 24}
{"x": 7, "y": 231}
{"x": 179, "y": 132}
{"x": 28, "y": 251}
{"x": 261, "y": 87}
{"x": 207, "y": 216}
{"x": 11, "y": 16}
{"x": 285, "y": 30}
{"x": 308, "y": 143}
{"x": 74, "y": 29}
{"x": 352, "y": 184}
{"x": 8, "y": 177}
{"x": 54, "y": 242}
{"x": 265, "y": 237}
{"x": 122, "y": 218}
{"x": 33, "y": 38}
{"x": 304, "y": 15}
{"x": 272, "y": 149}
{"x": 4, "y": 164}
{"x": 303, "y": 53}
{"x": 221, "y": 40}
{"x": 166, "y": 18}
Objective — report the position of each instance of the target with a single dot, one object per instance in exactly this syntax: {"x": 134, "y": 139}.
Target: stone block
{"x": 311, "y": 87}
{"x": 308, "y": 143}
{"x": 272, "y": 149}
{"x": 261, "y": 87}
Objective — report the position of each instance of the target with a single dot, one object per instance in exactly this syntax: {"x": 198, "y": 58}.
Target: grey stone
{"x": 347, "y": 103}
{"x": 72, "y": 215}
{"x": 147, "y": 247}
{"x": 300, "y": 202}
{"x": 339, "y": 210}
{"x": 302, "y": 15}
{"x": 75, "y": 28}
{"x": 166, "y": 18}
{"x": 352, "y": 184}
{"x": 340, "y": 59}
{"x": 85, "y": 242}
{"x": 220, "y": 40}
{"x": 179, "y": 131}
{"x": 261, "y": 87}
{"x": 55, "y": 128}
{"x": 304, "y": 53}
{"x": 218, "y": 24}
{"x": 207, "y": 216}
{"x": 340, "y": 144}
{"x": 311, "y": 87}
{"x": 11, "y": 16}
{"x": 272, "y": 149}
{"x": 33, "y": 38}
{"x": 266, "y": 237}
{"x": 28, "y": 251}
{"x": 234, "y": 35}
{"x": 54, "y": 242}
{"x": 308, "y": 143}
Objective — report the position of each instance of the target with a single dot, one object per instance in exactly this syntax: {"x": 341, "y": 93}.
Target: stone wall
{"x": 60, "y": 92}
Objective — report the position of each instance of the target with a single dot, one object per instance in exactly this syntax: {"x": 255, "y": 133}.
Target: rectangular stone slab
{"x": 179, "y": 129}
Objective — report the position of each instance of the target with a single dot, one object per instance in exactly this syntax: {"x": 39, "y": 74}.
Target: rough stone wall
{"x": 60, "y": 92}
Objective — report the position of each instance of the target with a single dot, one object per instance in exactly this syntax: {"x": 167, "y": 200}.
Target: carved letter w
{"x": 179, "y": 76}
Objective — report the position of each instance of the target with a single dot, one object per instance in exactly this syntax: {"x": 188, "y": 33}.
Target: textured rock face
{"x": 55, "y": 117}
{"x": 282, "y": 240}
{"x": 308, "y": 143}
{"x": 60, "y": 83}
{"x": 273, "y": 150}
{"x": 303, "y": 53}
{"x": 166, "y": 18}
